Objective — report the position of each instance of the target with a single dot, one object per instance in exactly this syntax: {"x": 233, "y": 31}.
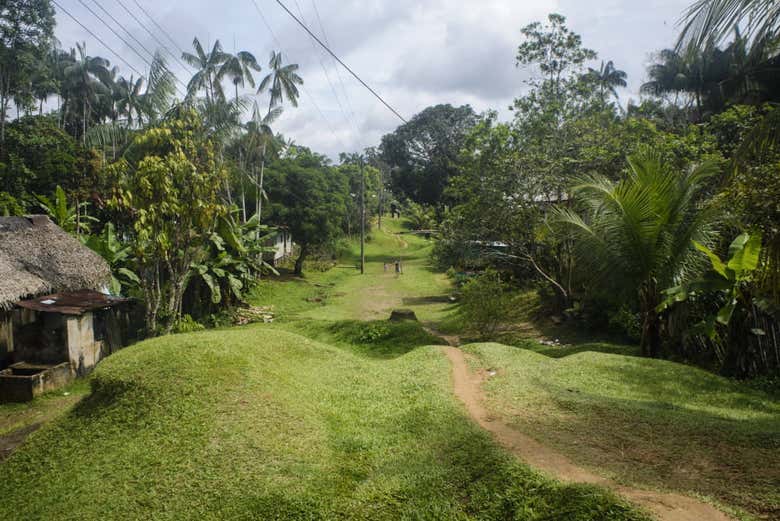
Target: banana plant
{"x": 117, "y": 255}
{"x": 726, "y": 278}
{"x": 234, "y": 258}
{"x": 72, "y": 219}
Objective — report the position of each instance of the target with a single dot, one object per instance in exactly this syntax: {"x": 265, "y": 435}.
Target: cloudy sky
{"x": 414, "y": 53}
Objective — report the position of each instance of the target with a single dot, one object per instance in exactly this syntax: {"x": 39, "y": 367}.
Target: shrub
{"x": 626, "y": 322}
{"x": 485, "y": 304}
{"x": 373, "y": 332}
{"x": 187, "y": 324}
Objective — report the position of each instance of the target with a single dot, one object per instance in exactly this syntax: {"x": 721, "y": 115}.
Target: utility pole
{"x": 362, "y": 219}
{"x": 381, "y": 194}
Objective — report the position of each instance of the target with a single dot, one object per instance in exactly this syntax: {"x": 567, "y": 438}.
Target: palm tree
{"x": 254, "y": 147}
{"x": 607, "y": 78}
{"x": 636, "y": 238}
{"x": 44, "y": 80}
{"x": 208, "y": 67}
{"x": 87, "y": 79}
{"x": 280, "y": 83}
{"x": 238, "y": 67}
{"x": 160, "y": 90}
{"x": 128, "y": 99}
{"x": 712, "y": 20}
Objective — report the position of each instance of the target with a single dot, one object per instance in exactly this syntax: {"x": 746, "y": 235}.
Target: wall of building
{"x": 282, "y": 244}
{"x": 39, "y": 337}
{"x": 84, "y": 350}
{"x": 6, "y": 338}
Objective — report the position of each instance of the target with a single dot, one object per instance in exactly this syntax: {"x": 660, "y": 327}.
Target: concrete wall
{"x": 6, "y": 338}
{"x": 22, "y": 382}
{"x": 282, "y": 244}
{"x": 84, "y": 352}
{"x": 39, "y": 337}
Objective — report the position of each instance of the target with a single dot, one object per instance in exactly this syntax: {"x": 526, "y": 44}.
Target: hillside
{"x": 254, "y": 423}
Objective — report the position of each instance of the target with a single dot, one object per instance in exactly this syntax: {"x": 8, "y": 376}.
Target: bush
{"x": 187, "y": 324}
{"x": 627, "y": 323}
{"x": 373, "y": 332}
{"x": 485, "y": 304}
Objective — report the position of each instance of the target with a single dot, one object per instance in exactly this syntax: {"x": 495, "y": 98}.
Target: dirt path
{"x": 665, "y": 506}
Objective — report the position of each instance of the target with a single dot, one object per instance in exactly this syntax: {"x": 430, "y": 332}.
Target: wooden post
{"x": 362, "y": 219}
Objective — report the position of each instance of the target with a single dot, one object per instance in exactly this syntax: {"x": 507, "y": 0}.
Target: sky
{"x": 413, "y": 53}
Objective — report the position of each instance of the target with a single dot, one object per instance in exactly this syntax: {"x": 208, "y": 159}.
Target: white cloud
{"x": 415, "y": 54}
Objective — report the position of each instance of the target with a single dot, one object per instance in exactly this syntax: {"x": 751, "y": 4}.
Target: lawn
{"x": 258, "y": 423}
{"x": 643, "y": 422}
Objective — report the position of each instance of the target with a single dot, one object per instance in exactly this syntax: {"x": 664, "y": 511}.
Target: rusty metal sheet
{"x": 72, "y": 303}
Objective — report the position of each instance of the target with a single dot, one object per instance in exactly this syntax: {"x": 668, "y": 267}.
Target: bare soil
{"x": 9, "y": 442}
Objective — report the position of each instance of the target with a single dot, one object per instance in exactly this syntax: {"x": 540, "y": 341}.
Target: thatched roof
{"x": 37, "y": 257}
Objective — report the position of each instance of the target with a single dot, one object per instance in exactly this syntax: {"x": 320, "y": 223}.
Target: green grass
{"x": 644, "y": 422}
{"x": 258, "y": 423}
{"x": 343, "y": 294}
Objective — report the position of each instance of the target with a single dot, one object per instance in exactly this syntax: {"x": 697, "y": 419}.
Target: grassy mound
{"x": 257, "y": 423}
{"x": 648, "y": 422}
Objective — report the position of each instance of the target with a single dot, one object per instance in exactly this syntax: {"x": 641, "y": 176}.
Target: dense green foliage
{"x": 422, "y": 153}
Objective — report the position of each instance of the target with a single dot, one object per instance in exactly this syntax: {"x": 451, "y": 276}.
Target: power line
{"x": 125, "y": 41}
{"x": 154, "y": 36}
{"x": 96, "y": 37}
{"x": 338, "y": 70}
{"x": 303, "y": 87}
{"x": 136, "y": 40}
{"x": 325, "y": 72}
{"x": 163, "y": 31}
{"x": 372, "y": 91}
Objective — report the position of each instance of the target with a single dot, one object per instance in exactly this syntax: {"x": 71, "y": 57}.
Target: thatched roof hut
{"x": 37, "y": 257}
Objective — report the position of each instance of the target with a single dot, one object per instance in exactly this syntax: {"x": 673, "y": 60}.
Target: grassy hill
{"x": 648, "y": 422}
{"x": 254, "y": 423}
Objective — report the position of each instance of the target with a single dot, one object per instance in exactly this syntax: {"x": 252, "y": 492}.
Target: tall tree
{"x": 554, "y": 49}
{"x": 607, "y": 78}
{"x": 88, "y": 81}
{"x": 207, "y": 65}
{"x": 423, "y": 153}
{"x": 26, "y": 36}
{"x": 282, "y": 82}
{"x": 238, "y": 68}
{"x": 128, "y": 99}
{"x": 166, "y": 190}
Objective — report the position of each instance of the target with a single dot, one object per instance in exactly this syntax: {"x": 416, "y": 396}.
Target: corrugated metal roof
{"x": 72, "y": 303}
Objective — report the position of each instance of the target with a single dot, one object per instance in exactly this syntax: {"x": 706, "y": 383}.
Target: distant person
{"x": 385, "y": 266}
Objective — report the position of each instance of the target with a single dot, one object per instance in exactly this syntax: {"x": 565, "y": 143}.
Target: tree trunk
{"x": 651, "y": 335}
{"x": 3, "y": 107}
{"x": 260, "y": 185}
{"x": 300, "y": 259}
{"x": 243, "y": 203}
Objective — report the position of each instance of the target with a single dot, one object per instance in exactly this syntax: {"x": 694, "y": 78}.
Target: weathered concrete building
{"x": 283, "y": 246}
{"x": 55, "y": 321}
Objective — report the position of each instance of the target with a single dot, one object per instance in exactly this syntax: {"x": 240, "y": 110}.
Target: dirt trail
{"x": 665, "y": 506}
